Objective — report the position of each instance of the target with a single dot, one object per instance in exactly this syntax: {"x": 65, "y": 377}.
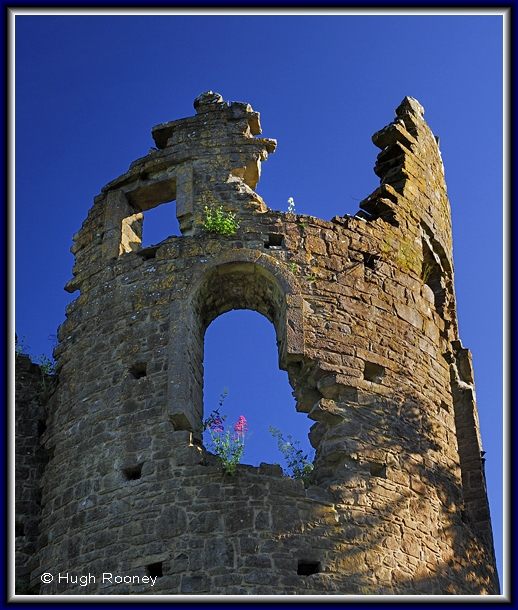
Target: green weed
{"x": 299, "y": 465}
{"x": 220, "y": 222}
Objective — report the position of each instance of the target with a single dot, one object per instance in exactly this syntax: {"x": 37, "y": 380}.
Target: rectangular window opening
{"x": 306, "y": 568}
{"x": 159, "y": 223}
{"x": 274, "y": 241}
{"x": 132, "y": 474}
{"x": 374, "y": 372}
{"x": 148, "y": 253}
{"x": 155, "y": 570}
{"x": 370, "y": 260}
{"x": 378, "y": 470}
{"x": 138, "y": 370}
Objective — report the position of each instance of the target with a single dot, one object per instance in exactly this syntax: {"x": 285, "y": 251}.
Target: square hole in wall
{"x": 138, "y": 370}
{"x": 378, "y": 470}
{"x": 148, "y": 253}
{"x": 19, "y": 528}
{"x": 274, "y": 241}
{"x": 160, "y": 223}
{"x": 370, "y": 260}
{"x": 132, "y": 474}
{"x": 373, "y": 372}
{"x": 306, "y": 568}
{"x": 155, "y": 570}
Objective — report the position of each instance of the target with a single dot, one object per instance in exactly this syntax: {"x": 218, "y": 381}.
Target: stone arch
{"x": 232, "y": 280}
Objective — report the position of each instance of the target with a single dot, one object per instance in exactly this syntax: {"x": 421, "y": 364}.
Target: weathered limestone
{"x": 364, "y": 313}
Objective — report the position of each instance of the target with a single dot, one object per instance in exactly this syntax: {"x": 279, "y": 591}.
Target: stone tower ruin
{"x": 364, "y": 312}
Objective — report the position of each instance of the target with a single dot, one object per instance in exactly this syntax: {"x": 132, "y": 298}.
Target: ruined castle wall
{"x": 364, "y": 313}
{"x": 30, "y": 460}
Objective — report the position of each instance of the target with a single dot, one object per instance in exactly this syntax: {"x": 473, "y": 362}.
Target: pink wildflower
{"x": 240, "y": 428}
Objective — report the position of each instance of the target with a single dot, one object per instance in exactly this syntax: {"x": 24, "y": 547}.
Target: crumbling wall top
{"x": 212, "y": 107}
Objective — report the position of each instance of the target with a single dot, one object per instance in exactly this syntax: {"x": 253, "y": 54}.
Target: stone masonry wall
{"x": 31, "y": 459}
{"x": 364, "y": 313}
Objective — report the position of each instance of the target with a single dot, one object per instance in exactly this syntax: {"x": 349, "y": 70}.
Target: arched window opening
{"x": 433, "y": 276}
{"x": 241, "y": 355}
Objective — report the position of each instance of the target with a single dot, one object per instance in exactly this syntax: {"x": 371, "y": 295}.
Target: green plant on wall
{"x": 220, "y": 222}
{"x": 228, "y": 445}
{"x": 406, "y": 258}
{"x": 48, "y": 380}
{"x": 47, "y": 367}
{"x": 20, "y": 347}
{"x": 299, "y": 465}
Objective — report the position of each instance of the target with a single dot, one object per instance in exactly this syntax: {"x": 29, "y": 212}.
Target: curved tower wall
{"x": 364, "y": 313}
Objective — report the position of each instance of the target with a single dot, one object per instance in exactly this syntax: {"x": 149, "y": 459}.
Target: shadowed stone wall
{"x": 32, "y": 394}
{"x": 364, "y": 313}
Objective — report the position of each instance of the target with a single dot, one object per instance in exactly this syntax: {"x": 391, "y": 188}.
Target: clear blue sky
{"x": 90, "y": 88}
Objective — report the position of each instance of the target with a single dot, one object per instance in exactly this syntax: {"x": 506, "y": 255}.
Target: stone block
{"x": 285, "y": 518}
{"x": 240, "y": 519}
{"x": 195, "y": 584}
{"x": 172, "y": 522}
{"x": 219, "y": 552}
{"x": 327, "y": 411}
